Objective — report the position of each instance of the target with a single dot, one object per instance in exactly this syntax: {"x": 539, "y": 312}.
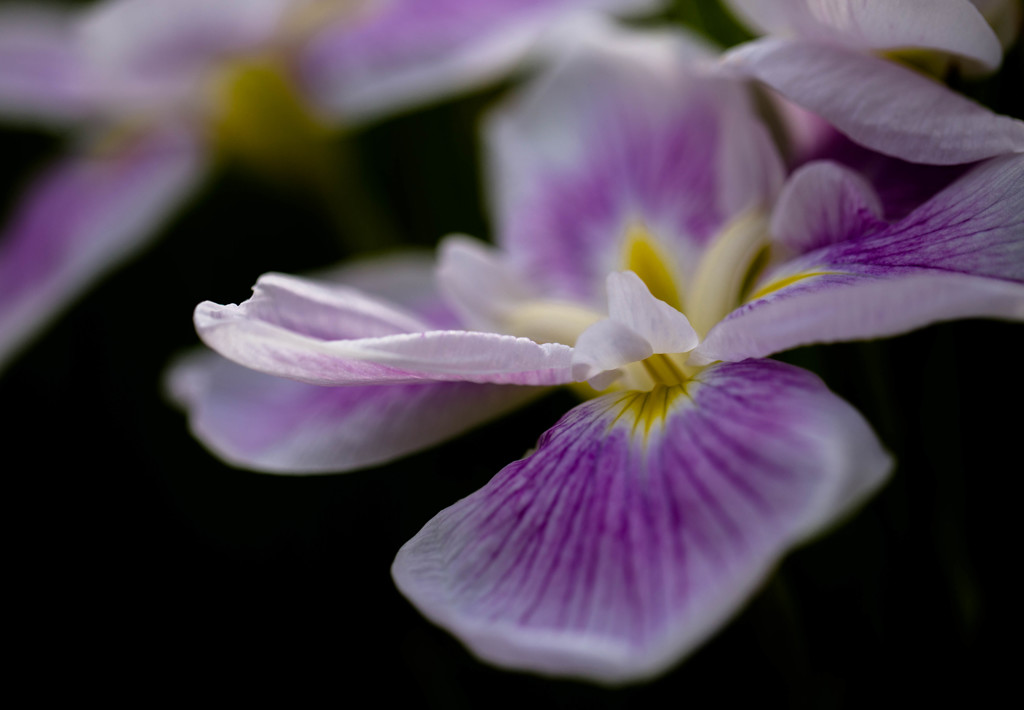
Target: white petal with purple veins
{"x": 960, "y": 255}
{"x": 267, "y": 423}
{"x": 642, "y": 522}
{"x": 330, "y": 335}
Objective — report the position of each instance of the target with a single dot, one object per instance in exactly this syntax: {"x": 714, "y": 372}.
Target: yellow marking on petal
{"x": 643, "y": 256}
{"x": 549, "y": 321}
{"x": 782, "y": 283}
{"x": 645, "y": 410}
{"x": 262, "y": 120}
{"x": 932, "y": 64}
{"x": 724, "y": 269}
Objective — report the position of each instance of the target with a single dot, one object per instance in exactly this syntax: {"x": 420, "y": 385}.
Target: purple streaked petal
{"x": 950, "y": 26}
{"x": 620, "y": 545}
{"x": 42, "y": 76}
{"x": 326, "y": 334}
{"x": 880, "y": 104}
{"x": 256, "y": 421}
{"x": 394, "y": 54}
{"x": 960, "y": 255}
{"x": 624, "y": 132}
{"x": 82, "y": 218}
{"x": 824, "y": 203}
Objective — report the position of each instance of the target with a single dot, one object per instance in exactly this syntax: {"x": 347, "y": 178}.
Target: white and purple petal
{"x": 879, "y": 104}
{"x": 266, "y": 423}
{"x": 326, "y": 334}
{"x": 950, "y": 26}
{"x": 392, "y": 54}
{"x": 83, "y": 217}
{"x": 960, "y": 255}
{"x": 42, "y": 77}
{"x": 642, "y": 522}
{"x": 625, "y": 132}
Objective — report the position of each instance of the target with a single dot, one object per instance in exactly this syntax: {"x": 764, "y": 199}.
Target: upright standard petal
{"x": 642, "y": 522}
{"x": 960, "y": 255}
{"x": 271, "y": 424}
{"x": 624, "y": 143}
{"x": 393, "y": 53}
{"x": 83, "y": 217}
{"x": 42, "y": 77}
{"x": 324, "y": 334}
{"x": 880, "y": 104}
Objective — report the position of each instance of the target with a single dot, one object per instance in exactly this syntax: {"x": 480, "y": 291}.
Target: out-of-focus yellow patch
{"x": 261, "y": 120}
{"x": 644, "y": 411}
{"x": 643, "y": 256}
{"x": 924, "y": 61}
{"x": 782, "y": 283}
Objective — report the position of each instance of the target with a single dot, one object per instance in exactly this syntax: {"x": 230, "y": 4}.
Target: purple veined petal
{"x": 82, "y": 218}
{"x": 960, "y": 255}
{"x": 153, "y": 52}
{"x": 824, "y": 203}
{"x": 642, "y": 522}
{"x": 625, "y": 133}
{"x": 880, "y": 104}
{"x": 950, "y": 26}
{"x": 325, "y": 334}
{"x": 271, "y": 424}
{"x": 42, "y": 77}
{"x": 390, "y": 55}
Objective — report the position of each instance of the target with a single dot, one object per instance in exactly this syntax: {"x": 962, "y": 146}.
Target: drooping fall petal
{"x": 642, "y": 522}
{"x": 273, "y": 424}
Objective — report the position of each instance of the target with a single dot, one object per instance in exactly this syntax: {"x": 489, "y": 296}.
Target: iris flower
{"x": 156, "y": 89}
{"x": 865, "y": 68}
{"x": 651, "y": 256}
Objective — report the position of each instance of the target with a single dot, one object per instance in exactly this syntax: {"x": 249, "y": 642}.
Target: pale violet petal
{"x": 622, "y": 543}
{"x": 154, "y": 52}
{"x": 406, "y": 280}
{"x": 959, "y": 255}
{"x": 626, "y": 133}
{"x": 82, "y": 218}
{"x": 605, "y": 347}
{"x": 266, "y": 423}
{"x": 824, "y": 203}
{"x": 478, "y": 282}
{"x": 394, "y": 54}
{"x": 42, "y": 77}
{"x": 327, "y": 334}
{"x": 630, "y": 302}
{"x": 951, "y": 26}
{"x": 880, "y": 104}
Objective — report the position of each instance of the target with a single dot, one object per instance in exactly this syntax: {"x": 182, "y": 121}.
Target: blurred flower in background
{"x": 158, "y": 89}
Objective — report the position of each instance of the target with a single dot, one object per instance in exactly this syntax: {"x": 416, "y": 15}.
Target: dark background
{"x": 134, "y": 557}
